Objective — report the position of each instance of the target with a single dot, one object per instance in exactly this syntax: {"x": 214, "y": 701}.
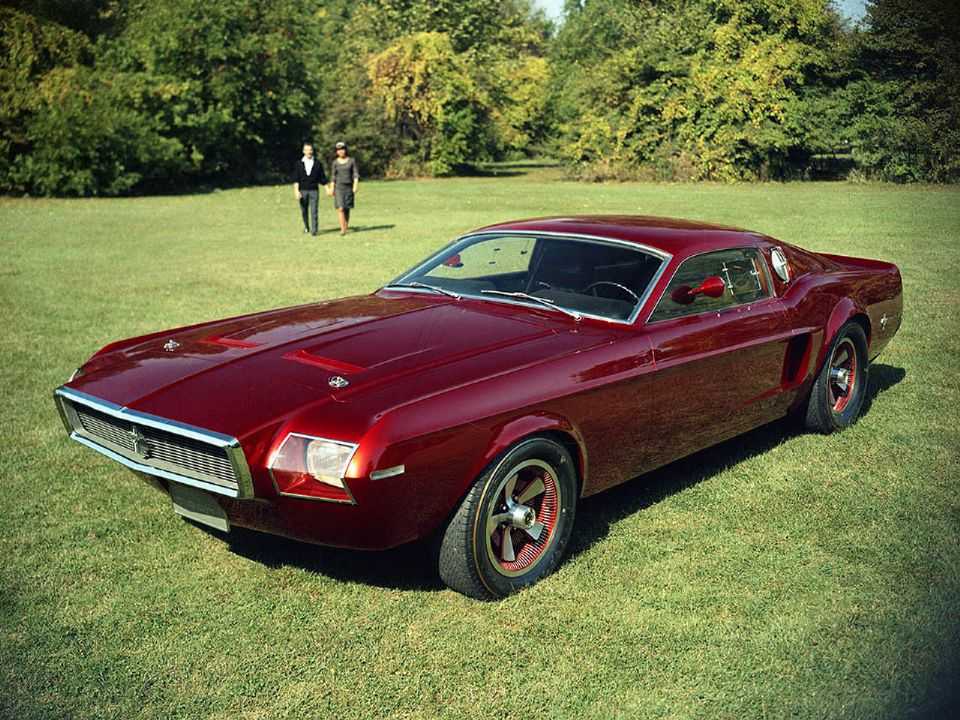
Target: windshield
{"x": 587, "y": 277}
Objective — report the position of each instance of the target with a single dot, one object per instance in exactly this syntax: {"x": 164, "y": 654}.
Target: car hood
{"x": 372, "y": 352}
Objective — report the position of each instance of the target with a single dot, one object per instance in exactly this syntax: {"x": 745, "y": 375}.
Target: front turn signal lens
{"x": 311, "y": 467}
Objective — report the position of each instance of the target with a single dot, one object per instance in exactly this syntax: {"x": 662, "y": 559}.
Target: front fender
{"x": 505, "y": 434}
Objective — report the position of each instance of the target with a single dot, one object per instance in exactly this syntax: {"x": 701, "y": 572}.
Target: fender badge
{"x": 338, "y": 381}
{"x": 171, "y": 345}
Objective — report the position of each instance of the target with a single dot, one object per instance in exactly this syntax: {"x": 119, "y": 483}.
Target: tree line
{"x": 108, "y": 97}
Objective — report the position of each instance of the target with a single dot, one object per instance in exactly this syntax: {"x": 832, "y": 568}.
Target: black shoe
{"x": 314, "y": 234}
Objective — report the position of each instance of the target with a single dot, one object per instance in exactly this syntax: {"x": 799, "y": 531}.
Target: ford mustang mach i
{"x": 479, "y": 396}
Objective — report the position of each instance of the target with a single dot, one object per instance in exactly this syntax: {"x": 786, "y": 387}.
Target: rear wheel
{"x": 513, "y": 526}
{"x": 840, "y": 388}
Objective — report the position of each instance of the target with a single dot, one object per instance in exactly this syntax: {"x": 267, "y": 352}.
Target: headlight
{"x": 311, "y": 467}
{"x": 327, "y": 461}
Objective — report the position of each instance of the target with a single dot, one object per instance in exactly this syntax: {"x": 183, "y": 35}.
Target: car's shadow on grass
{"x": 409, "y": 567}
{"x": 412, "y": 567}
{"x": 597, "y": 514}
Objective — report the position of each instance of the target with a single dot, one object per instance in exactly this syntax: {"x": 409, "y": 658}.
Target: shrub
{"x": 93, "y": 135}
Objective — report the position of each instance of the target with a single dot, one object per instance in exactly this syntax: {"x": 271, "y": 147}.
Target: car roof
{"x": 677, "y": 237}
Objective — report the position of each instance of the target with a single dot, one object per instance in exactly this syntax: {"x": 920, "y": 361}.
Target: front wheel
{"x": 840, "y": 388}
{"x": 513, "y": 526}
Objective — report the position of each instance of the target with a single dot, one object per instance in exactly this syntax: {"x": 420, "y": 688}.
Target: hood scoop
{"x": 308, "y": 358}
{"x": 229, "y": 342}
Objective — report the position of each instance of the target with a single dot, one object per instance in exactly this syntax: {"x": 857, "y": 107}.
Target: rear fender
{"x": 844, "y": 311}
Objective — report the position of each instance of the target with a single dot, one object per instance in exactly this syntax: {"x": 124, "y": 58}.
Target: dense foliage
{"x": 903, "y": 109}
{"x": 118, "y": 96}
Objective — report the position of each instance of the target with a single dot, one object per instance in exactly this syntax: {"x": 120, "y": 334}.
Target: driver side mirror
{"x": 713, "y": 287}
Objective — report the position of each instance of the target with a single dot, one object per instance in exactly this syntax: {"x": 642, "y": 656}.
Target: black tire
{"x": 485, "y": 532}
{"x": 835, "y": 404}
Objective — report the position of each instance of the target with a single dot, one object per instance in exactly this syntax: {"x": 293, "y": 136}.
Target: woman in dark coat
{"x": 344, "y": 178}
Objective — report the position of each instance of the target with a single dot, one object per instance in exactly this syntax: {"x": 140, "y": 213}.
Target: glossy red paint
{"x": 229, "y": 342}
{"x": 444, "y": 386}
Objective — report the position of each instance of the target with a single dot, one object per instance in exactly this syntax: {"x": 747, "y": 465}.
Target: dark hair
{"x": 308, "y": 142}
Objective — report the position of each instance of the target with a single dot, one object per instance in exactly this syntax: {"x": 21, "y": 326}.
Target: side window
{"x": 714, "y": 281}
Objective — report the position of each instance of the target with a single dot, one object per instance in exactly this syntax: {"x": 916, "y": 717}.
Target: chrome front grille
{"x": 157, "y": 446}
{"x": 107, "y": 429}
{"x": 153, "y": 444}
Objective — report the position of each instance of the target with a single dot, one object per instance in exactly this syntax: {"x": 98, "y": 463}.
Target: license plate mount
{"x": 199, "y": 506}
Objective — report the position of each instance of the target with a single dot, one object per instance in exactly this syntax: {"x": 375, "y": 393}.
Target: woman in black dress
{"x": 344, "y": 178}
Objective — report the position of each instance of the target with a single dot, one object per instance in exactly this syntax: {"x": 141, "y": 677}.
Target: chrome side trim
{"x": 388, "y": 472}
{"x": 64, "y": 396}
{"x": 665, "y": 259}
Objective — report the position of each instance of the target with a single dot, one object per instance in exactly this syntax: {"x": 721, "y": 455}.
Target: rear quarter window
{"x": 802, "y": 262}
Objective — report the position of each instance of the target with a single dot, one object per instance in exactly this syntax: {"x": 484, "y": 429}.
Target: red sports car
{"x": 478, "y": 396}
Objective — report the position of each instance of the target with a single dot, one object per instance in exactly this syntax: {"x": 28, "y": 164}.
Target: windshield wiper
{"x": 543, "y": 301}
{"x": 416, "y": 284}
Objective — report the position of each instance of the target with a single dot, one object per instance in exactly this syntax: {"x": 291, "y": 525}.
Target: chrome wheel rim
{"x": 843, "y": 375}
{"x": 522, "y": 518}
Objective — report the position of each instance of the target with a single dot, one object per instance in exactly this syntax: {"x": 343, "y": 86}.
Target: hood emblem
{"x": 140, "y": 446}
{"x": 338, "y": 381}
{"x": 171, "y": 345}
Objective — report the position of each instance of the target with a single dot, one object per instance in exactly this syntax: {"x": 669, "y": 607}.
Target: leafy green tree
{"x": 703, "y": 89}
{"x": 902, "y": 112}
{"x": 241, "y": 63}
{"x": 746, "y": 86}
{"x": 619, "y": 71}
{"x": 132, "y": 95}
{"x": 67, "y": 128}
{"x": 175, "y": 92}
{"x": 489, "y": 73}
{"x": 426, "y": 89}
{"x": 96, "y": 135}
{"x": 29, "y": 48}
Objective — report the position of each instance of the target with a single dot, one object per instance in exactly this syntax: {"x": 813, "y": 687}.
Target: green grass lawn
{"x": 777, "y": 575}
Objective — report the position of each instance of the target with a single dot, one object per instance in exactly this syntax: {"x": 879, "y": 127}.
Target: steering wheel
{"x": 618, "y": 286}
